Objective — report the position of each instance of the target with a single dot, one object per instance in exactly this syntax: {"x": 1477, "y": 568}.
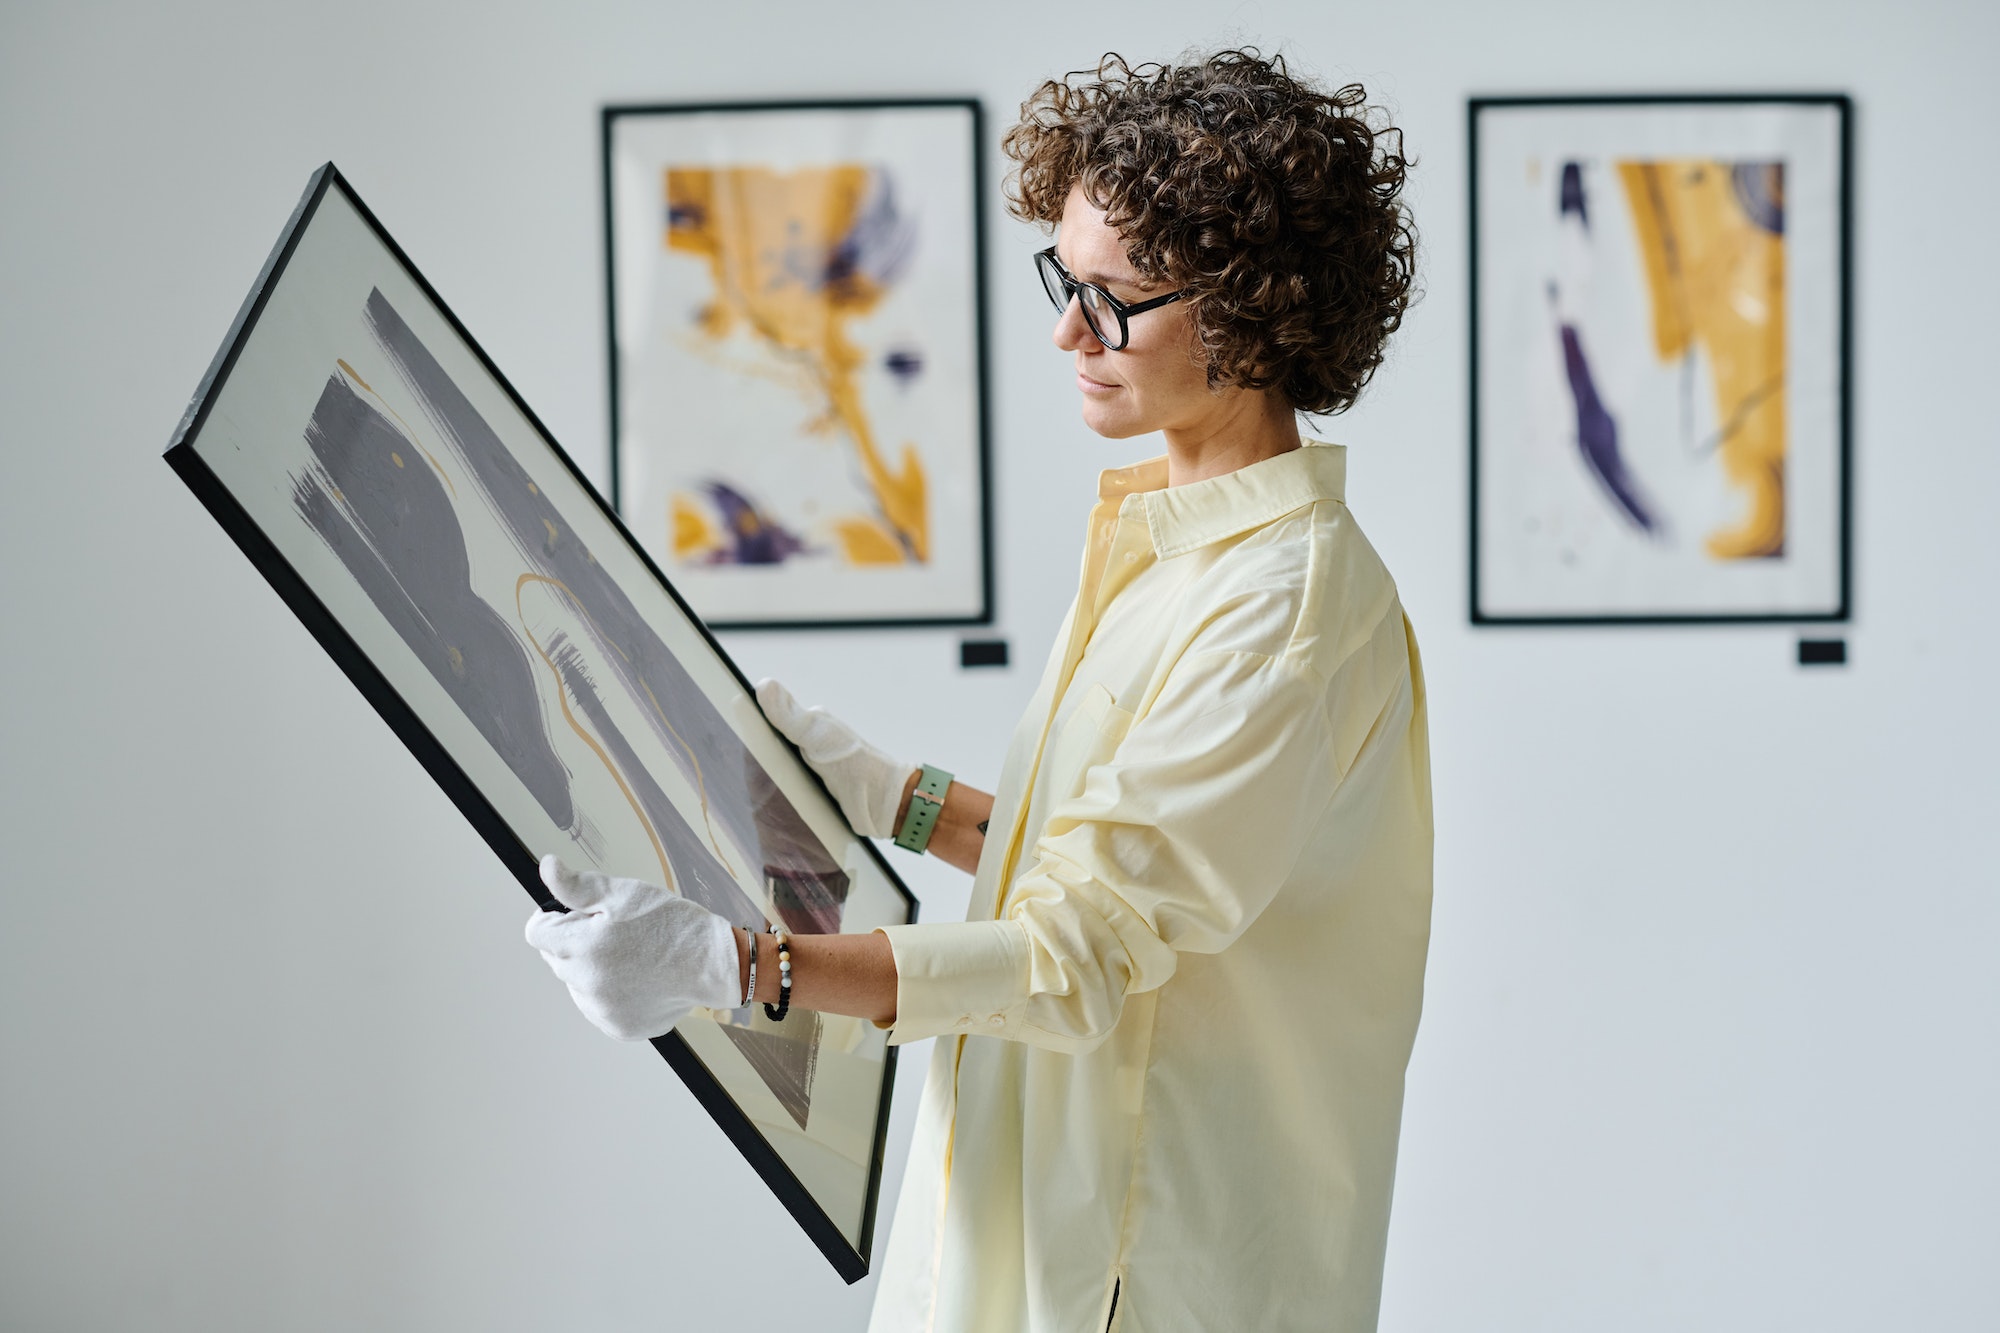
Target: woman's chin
{"x": 1108, "y": 420}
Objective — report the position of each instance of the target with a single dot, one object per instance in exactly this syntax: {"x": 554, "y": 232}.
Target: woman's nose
{"x": 1072, "y": 331}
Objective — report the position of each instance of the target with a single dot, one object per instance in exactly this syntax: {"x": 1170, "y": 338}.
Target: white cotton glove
{"x": 636, "y": 957}
{"x": 867, "y": 783}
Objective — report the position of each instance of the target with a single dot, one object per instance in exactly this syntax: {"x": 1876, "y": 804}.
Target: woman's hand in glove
{"x": 869, "y": 785}
{"x": 636, "y": 957}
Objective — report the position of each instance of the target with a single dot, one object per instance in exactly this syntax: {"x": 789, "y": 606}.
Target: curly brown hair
{"x": 1274, "y": 204}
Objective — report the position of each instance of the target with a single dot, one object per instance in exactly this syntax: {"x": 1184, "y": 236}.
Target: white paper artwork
{"x": 1660, "y": 389}
{"x": 797, "y": 394}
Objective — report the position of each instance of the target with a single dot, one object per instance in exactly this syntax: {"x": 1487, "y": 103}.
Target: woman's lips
{"x": 1089, "y": 385}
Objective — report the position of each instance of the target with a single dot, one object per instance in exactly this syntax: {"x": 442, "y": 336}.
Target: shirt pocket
{"x": 1087, "y": 737}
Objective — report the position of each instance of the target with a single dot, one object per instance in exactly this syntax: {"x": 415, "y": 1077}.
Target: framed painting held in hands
{"x": 798, "y": 401}
{"x": 1660, "y": 365}
{"x": 388, "y": 482}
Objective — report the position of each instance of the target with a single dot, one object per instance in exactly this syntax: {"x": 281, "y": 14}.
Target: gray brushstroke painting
{"x": 392, "y": 526}
{"x": 687, "y": 724}
{"x": 374, "y": 497}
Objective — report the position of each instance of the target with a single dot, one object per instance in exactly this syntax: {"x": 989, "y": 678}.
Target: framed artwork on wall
{"x": 1660, "y": 359}
{"x": 388, "y": 482}
{"x": 798, "y": 404}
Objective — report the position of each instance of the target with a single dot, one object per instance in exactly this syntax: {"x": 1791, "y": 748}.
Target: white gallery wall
{"x": 1713, "y": 1003}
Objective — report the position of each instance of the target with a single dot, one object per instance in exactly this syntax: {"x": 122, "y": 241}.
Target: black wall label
{"x": 982, "y": 652}
{"x": 1822, "y": 652}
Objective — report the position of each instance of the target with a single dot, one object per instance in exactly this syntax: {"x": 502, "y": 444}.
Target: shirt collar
{"x": 1186, "y": 518}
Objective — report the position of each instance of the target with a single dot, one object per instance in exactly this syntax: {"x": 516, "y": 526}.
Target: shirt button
{"x": 996, "y": 1021}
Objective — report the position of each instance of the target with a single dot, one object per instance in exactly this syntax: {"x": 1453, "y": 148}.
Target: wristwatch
{"x": 925, "y": 804}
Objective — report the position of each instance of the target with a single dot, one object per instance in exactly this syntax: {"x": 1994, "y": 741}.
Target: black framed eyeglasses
{"x": 1108, "y": 317}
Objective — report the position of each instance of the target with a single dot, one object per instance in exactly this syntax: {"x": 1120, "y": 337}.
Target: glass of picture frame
{"x": 390, "y": 484}
{"x": 1660, "y": 359}
{"x": 798, "y": 397}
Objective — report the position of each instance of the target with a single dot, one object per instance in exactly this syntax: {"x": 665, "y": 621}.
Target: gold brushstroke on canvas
{"x": 693, "y": 534}
{"x": 562, "y": 702}
{"x": 866, "y": 542}
{"x": 1716, "y": 278}
{"x": 366, "y": 388}
{"x": 562, "y": 698}
{"x": 749, "y": 224}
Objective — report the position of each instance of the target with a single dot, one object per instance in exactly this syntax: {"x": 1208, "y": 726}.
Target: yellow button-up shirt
{"x": 1173, "y": 1031}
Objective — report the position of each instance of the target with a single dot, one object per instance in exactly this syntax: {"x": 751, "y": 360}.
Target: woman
{"x": 1172, "y": 1034}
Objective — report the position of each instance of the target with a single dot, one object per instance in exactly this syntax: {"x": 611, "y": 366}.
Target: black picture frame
{"x": 1842, "y": 106}
{"x": 609, "y": 116}
{"x": 850, "y": 1260}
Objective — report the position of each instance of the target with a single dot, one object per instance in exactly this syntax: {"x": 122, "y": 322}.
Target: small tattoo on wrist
{"x": 982, "y": 826}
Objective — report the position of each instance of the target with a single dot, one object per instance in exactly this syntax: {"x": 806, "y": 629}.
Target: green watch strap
{"x": 925, "y": 804}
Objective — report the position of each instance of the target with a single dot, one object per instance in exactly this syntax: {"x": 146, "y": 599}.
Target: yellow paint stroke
{"x": 692, "y": 532}
{"x": 355, "y": 375}
{"x": 562, "y": 697}
{"x": 744, "y": 223}
{"x": 865, "y": 542}
{"x": 1717, "y": 280}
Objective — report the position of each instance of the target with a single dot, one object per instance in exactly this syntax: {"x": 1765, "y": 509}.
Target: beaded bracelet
{"x": 750, "y": 986}
{"x": 776, "y": 1012}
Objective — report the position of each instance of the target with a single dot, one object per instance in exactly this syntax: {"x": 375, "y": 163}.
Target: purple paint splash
{"x": 755, "y": 538}
{"x": 1597, "y": 435}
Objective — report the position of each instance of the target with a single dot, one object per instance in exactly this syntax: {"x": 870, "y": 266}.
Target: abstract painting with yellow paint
{"x": 795, "y": 310}
{"x": 1660, "y": 392}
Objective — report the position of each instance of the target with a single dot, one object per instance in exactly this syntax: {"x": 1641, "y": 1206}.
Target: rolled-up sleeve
{"x": 1174, "y": 843}
{"x": 959, "y": 976}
